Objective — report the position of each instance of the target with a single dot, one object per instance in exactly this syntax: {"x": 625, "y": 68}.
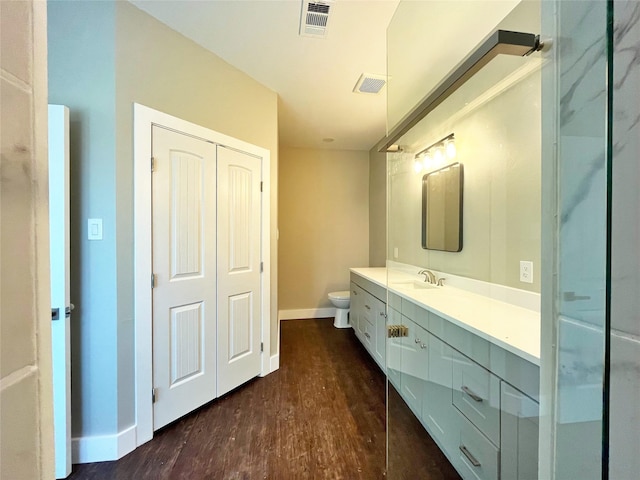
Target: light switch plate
{"x": 94, "y": 229}
{"x": 526, "y": 271}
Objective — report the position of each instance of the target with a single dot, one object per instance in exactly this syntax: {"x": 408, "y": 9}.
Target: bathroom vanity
{"x": 465, "y": 362}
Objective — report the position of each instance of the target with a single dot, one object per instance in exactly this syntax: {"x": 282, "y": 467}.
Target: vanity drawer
{"x": 369, "y": 306}
{"x": 476, "y": 393}
{"x": 368, "y": 338}
{"x": 373, "y": 288}
{"x": 477, "y": 457}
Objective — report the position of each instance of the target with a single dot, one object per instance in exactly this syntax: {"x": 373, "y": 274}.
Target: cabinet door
{"x": 476, "y": 457}
{"x": 519, "y": 435}
{"x": 366, "y": 322}
{"x": 355, "y": 311}
{"x": 438, "y": 413}
{"x": 413, "y": 366}
{"x": 394, "y": 350}
{"x": 476, "y": 393}
{"x": 379, "y": 344}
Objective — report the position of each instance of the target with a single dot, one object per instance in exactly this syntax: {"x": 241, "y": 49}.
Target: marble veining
{"x": 583, "y": 62}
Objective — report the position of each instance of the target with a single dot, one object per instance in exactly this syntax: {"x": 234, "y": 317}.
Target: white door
{"x": 60, "y": 304}
{"x": 239, "y": 295}
{"x": 184, "y": 268}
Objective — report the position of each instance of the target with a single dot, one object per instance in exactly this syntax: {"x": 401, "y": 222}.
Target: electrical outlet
{"x": 526, "y": 271}
{"x": 395, "y": 252}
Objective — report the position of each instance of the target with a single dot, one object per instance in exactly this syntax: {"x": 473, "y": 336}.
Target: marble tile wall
{"x": 624, "y": 436}
{"x": 582, "y": 235}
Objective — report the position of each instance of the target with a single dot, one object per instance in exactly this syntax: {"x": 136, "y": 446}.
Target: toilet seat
{"x": 343, "y": 295}
{"x": 341, "y": 300}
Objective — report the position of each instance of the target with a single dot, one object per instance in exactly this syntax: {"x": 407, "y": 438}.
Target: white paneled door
{"x": 239, "y": 287}
{"x": 60, "y": 284}
{"x": 184, "y": 273}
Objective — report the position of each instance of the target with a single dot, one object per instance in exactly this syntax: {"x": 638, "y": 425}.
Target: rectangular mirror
{"x": 442, "y": 209}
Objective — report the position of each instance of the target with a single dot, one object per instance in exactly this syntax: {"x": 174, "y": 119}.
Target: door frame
{"x": 143, "y": 120}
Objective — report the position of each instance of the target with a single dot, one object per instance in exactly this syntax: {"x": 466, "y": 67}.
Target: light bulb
{"x": 438, "y": 156}
{"x": 417, "y": 166}
{"x": 427, "y": 161}
{"x": 451, "y": 149}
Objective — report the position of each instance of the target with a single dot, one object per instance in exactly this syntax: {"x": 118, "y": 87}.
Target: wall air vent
{"x": 314, "y": 18}
{"x": 368, "y": 83}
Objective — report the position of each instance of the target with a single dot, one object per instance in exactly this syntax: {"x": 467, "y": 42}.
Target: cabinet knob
{"x": 366, "y": 334}
{"x": 423, "y": 345}
{"x": 367, "y": 307}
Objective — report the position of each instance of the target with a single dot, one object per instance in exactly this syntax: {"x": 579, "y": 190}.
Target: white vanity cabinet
{"x": 476, "y": 399}
{"x": 379, "y": 316}
{"x": 414, "y": 365}
{"x": 355, "y": 310}
{"x": 476, "y": 394}
{"x": 439, "y": 416}
{"x": 368, "y": 316}
{"x": 394, "y": 350}
{"x": 519, "y": 434}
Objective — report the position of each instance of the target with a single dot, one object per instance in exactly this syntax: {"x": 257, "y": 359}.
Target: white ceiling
{"x": 313, "y": 77}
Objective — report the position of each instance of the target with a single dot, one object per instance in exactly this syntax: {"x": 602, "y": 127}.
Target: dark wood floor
{"x": 320, "y": 416}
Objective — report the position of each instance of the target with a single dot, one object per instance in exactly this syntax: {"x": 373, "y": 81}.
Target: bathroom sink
{"x": 414, "y": 285}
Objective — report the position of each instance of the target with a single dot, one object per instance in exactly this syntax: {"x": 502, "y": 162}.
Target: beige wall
{"x": 159, "y": 68}
{"x": 324, "y": 223}
{"x": 104, "y": 56}
{"x": 26, "y": 428}
{"x": 377, "y": 208}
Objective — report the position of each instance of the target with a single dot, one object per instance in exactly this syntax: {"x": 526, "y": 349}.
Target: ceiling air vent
{"x": 314, "y": 18}
{"x": 368, "y": 83}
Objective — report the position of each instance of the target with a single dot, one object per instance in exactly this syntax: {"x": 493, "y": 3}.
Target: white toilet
{"x": 341, "y": 301}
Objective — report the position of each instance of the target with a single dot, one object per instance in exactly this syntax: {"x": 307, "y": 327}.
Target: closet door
{"x": 239, "y": 268}
{"x": 184, "y": 272}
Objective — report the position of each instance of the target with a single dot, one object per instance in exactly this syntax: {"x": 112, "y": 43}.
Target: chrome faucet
{"x": 429, "y": 276}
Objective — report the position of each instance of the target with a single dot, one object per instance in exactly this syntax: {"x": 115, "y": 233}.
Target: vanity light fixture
{"x": 435, "y": 154}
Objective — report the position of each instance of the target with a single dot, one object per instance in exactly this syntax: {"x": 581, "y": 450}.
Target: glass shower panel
{"x": 576, "y": 114}
{"x": 454, "y": 391}
{"x": 532, "y": 135}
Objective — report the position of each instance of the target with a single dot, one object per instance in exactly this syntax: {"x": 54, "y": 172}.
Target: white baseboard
{"x": 307, "y": 313}
{"x": 274, "y": 362}
{"x": 102, "y": 448}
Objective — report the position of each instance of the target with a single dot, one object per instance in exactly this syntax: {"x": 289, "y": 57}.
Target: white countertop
{"x": 514, "y": 328}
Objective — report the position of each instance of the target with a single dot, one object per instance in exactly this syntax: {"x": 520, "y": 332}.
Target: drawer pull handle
{"x": 367, "y": 307}
{"x": 470, "y": 457}
{"x": 417, "y": 340}
{"x": 466, "y": 390}
{"x": 354, "y": 292}
{"x": 423, "y": 345}
{"x": 366, "y": 334}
